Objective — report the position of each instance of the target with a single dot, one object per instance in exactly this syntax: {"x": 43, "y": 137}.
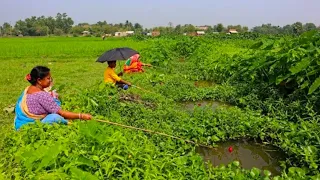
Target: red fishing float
{"x": 230, "y": 149}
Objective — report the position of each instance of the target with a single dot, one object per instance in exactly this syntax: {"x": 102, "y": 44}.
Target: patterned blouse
{"x": 42, "y": 103}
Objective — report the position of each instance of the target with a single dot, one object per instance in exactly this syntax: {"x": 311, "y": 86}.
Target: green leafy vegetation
{"x": 271, "y": 85}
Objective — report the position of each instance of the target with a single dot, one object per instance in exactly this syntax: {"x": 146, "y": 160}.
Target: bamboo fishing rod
{"x": 154, "y": 132}
{"x": 143, "y": 89}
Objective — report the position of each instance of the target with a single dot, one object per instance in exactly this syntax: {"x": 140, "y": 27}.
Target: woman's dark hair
{"x": 110, "y": 62}
{"x": 38, "y": 72}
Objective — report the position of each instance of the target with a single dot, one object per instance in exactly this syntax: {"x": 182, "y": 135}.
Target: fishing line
{"x": 143, "y": 89}
{"x": 154, "y": 132}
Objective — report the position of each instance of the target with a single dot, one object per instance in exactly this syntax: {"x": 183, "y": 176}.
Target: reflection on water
{"x": 248, "y": 153}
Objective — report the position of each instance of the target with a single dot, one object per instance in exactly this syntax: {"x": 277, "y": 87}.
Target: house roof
{"x": 200, "y": 32}
{"x": 202, "y": 27}
{"x": 233, "y": 31}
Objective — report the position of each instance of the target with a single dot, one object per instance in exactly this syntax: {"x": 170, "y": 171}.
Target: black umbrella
{"x": 117, "y": 54}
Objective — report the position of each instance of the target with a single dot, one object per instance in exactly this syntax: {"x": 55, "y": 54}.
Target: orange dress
{"x": 133, "y": 64}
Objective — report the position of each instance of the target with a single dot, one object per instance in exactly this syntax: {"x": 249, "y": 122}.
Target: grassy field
{"x": 89, "y": 150}
{"x": 72, "y": 61}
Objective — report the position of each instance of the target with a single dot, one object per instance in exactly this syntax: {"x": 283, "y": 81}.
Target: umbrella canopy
{"x": 117, "y": 54}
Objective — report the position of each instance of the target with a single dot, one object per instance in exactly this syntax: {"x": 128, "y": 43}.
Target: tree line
{"x": 62, "y": 24}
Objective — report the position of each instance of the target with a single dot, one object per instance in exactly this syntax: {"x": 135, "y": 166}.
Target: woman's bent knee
{"x": 54, "y": 118}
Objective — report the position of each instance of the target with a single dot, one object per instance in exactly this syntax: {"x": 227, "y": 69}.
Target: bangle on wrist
{"x": 79, "y": 116}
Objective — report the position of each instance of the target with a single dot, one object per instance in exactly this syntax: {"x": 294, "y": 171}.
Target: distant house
{"x": 130, "y": 33}
{"x": 19, "y": 33}
{"x": 200, "y": 33}
{"x": 120, "y": 34}
{"x": 232, "y": 31}
{"x": 202, "y": 28}
{"x": 85, "y": 33}
{"x": 155, "y": 33}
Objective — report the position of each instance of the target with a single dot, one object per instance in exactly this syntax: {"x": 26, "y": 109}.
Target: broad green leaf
{"x": 294, "y": 171}
{"x": 82, "y": 175}
{"x": 313, "y": 165}
{"x": 236, "y": 163}
{"x": 119, "y": 157}
{"x": 255, "y": 172}
{"x": 314, "y": 86}
{"x": 302, "y": 65}
{"x": 50, "y": 156}
{"x": 282, "y": 78}
{"x": 267, "y": 173}
{"x": 2, "y": 176}
{"x": 215, "y": 138}
{"x": 257, "y": 45}
{"x": 304, "y": 85}
{"x": 276, "y": 178}
{"x": 52, "y": 176}
{"x": 95, "y": 158}
{"x": 85, "y": 161}
{"x": 276, "y": 49}
{"x": 312, "y": 72}
{"x": 273, "y": 66}
{"x": 316, "y": 177}
{"x": 267, "y": 44}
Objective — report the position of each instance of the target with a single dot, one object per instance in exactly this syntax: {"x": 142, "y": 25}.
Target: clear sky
{"x": 159, "y": 13}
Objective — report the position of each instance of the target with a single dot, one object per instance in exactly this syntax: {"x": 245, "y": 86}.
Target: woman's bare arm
{"x": 72, "y": 115}
{"x": 125, "y": 82}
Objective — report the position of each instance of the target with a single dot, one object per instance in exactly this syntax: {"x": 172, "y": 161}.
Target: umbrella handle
{"x": 120, "y": 66}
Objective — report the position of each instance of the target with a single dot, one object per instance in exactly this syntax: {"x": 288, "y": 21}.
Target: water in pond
{"x": 202, "y": 104}
{"x": 248, "y": 153}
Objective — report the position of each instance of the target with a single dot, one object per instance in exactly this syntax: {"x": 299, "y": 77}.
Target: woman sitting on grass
{"x": 133, "y": 64}
{"x": 36, "y": 104}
